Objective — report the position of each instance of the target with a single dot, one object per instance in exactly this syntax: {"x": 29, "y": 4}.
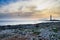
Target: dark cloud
{"x": 16, "y": 15}
{"x": 25, "y": 15}
{"x": 4, "y": 15}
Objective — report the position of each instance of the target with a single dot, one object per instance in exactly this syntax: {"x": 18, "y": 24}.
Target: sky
{"x": 29, "y": 9}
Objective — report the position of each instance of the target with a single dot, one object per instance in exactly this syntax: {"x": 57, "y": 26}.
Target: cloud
{"x": 29, "y": 8}
{"x": 13, "y": 7}
{"x": 6, "y": 2}
{"x": 24, "y": 4}
{"x": 16, "y": 15}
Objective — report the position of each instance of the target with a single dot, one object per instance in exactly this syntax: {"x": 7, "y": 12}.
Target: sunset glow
{"x": 30, "y": 9}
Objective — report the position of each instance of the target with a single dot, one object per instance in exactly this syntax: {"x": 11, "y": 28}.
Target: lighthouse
{"x": 51, "y": 18}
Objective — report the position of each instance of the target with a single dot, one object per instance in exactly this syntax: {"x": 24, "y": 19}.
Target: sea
{"x": 16, "y": 22}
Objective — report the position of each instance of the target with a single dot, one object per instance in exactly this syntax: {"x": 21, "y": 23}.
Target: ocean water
{"x": 16, "y": 22}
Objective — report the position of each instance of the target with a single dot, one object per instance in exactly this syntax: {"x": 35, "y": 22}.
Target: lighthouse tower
{"x": 51, "y": 18}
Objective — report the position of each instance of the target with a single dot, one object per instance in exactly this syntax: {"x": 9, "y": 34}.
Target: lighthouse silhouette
{"x": 51, "y": 18}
